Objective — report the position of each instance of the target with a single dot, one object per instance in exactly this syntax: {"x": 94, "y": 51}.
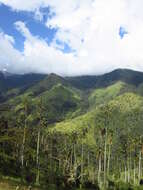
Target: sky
{"x": 71, "y": 37}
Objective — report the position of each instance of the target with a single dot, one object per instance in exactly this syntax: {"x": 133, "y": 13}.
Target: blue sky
{"x": 8, "y": 17}
{"x": 70, "y": 38}
{"x": 37, "y": 27}
{"x": 122, "y": 32}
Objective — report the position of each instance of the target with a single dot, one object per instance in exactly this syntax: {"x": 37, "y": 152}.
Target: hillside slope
{"x": 58, "y": 133}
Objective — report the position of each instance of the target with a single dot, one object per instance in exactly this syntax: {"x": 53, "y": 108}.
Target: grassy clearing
{"x": 12, "y": 185}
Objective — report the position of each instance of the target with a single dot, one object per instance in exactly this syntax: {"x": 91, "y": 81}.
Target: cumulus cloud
{"x": 90, "y": 27}
{"x": 37, "y": 56}
{"x": 8, "y": 55}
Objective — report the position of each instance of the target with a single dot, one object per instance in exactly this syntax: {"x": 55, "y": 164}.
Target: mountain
{"x": 124, "y": 75}
{"x": 82, "y": 82}
{"x": 60, "y": 99}
{"x": 75, "y": 131}
{"x": 11, "y": 84}
{"x": 123, "y": 111}
{"x": 88, "y": 88}
{"x": 103, "y": 95}
{"x": 67, "y": 97}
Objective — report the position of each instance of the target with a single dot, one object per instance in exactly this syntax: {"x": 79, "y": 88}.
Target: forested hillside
{"x": 72, "y": 132}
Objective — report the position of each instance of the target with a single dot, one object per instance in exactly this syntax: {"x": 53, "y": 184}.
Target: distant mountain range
{"x": 9, "y": 81}
{"x": 71, "y": 93}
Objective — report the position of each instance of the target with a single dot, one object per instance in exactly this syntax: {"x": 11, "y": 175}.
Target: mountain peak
{"x": 124, "y": 71}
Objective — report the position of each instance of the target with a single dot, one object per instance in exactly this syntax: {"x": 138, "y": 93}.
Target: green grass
{"x": 11, "y": 185}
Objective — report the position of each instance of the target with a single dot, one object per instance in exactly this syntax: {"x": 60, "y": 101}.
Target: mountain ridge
{"x": 12, "y": 84}
{"x": 15, "y": 80}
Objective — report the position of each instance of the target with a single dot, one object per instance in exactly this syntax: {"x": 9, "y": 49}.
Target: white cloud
{"x": 37, "y": 56}
{"x": 25, "y": 32}
{"x": 90, "y": 27}
{"x": 9, "y": 38}
{"x": 8, "y": 55}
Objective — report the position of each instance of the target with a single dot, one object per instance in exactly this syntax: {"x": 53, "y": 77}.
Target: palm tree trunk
{"x": 125, "y": 173}
{"x": 109, "y": 155}
{"x": 105, "y": 152}
{"x": 99, "y": 168}
{"x": 134, "y": 172}
{"x": 37, "y": 158}
{"x": 128, "y": 170}
{"x": 139, "y": 169}
{"x": 82, "y": 156}
{"x": 22, "y": 150}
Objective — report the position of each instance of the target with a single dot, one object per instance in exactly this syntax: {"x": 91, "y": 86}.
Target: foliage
{"x": 57, "y": 135}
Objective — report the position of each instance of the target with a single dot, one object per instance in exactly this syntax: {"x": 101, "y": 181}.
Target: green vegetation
{"x": 103, "y": 95}
{"x": 8, "y": 183}
{"x": 54, "y": 135}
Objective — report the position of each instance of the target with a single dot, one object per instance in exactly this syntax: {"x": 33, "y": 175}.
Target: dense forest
{"x": 72, "y": 132}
